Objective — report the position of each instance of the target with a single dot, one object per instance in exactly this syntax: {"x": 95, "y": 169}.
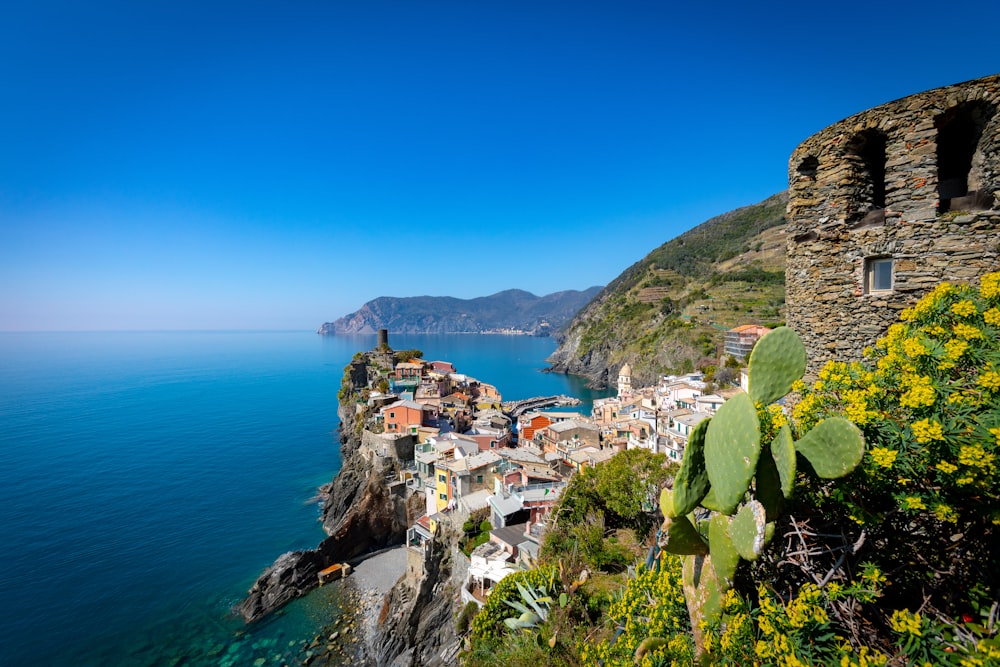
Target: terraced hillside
{"x": 667, "y": 312}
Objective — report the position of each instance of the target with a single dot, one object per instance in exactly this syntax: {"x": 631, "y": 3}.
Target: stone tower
{"x": 625, "y": 381}
{"x": 884, "y": 205}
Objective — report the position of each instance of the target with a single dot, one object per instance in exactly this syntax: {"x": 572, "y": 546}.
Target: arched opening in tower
{"x": 866, "y": 151}
{"x": 959, "y": 156}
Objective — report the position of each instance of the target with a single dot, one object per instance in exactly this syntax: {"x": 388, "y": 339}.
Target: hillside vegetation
{"x": 669, "y": 310}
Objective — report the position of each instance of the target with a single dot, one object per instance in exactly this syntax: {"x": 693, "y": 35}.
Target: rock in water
{"x": 292, "y": 574}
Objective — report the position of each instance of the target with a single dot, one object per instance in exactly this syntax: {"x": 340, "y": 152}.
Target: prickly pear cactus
{"x": 834, "y": 447}
{"x": 691, "y": 483}
{"x": 731, "y": 486}
{"x": 732, "y": 445}
{"x": 776, "y": 361}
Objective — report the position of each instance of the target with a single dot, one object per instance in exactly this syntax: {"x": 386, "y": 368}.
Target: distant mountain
{"x": 511, "y": 310}
{"x": 668, "y": 311}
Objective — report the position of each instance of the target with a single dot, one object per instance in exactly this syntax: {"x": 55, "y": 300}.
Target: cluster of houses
{"x": 452, "y": 442}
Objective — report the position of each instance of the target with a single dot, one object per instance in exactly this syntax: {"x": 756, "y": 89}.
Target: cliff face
{"x": 508, "y": 310}
{"x": 668, "y": 312}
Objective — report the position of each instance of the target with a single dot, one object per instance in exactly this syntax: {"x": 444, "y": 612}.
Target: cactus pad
{"x": 682, "y": 537}
{"x": 783, "y": 453}
{"x": 732, "y": 446}
{"x": 701, "y": 588}
{"x": 709, "y": 502}
{"x": 724, "y": 555}
{"x": 747, "y": 530}
{"x": 768, "y": 484}
{"x": 777, "y": 360}
{"x": 834, "y": 447}
{"x": 691, "y": 483}
{"x": 667, "y": 503}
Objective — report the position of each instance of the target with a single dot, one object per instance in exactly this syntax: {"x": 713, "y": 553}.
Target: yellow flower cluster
{"x": 866, "y": 658}
{"x": 920, "y": 393}
{"x": 929, "y": 304}
{"x": 987, "y": 654}
{"x": 945, "y": 513}
{"x": 914, "y": 503}
{"x": 990, "y": 380}
{"x": 927, "y": 430}
{"x": 992, "y": 316}
{"x": 954, "y": 349}
{"x": 967, "y": 331}
{"x": 883, "y": 457}
{"x": 946, "y": 468}
{"x": 974, "y": 456}
{"x": 914, "y": 348}
{"x": 651, "y": 605}
{"x": 989, "y": 286}
{"x": 787, "y": 633}
{"x": 964, "y": 308}
{"x": 905, "y": 623}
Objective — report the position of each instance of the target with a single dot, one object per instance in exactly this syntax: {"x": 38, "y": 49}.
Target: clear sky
{"x": 210, "y": 165}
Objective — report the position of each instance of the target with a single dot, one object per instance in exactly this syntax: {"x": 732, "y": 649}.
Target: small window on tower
{"x": 878, "y": 274}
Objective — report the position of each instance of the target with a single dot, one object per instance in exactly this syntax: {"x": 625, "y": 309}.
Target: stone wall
{"x": 387, "y": 446}
{"x": 908, "y": 188}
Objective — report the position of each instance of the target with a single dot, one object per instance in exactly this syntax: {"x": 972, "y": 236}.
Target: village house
{"x": 529, "y": 423}
{"x": 405, "y": 416}
{"x": 739, "y": 341}
{"x": 588, "y": 457}
{"x": 466, "y": 476}
{"x": 489, "y": 564}
{"x": 576, "y": 432}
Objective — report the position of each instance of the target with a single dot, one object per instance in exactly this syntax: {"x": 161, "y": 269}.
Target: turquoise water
{"x": 147, "y": 478}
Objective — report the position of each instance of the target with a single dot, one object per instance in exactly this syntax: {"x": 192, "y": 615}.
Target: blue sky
{"x": 247, "y": 165}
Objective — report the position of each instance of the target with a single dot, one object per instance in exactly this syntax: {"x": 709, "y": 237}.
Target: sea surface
{"x": 146, "y": 478}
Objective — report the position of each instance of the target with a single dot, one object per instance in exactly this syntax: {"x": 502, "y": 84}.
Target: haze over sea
{"x": 147, "y": 478}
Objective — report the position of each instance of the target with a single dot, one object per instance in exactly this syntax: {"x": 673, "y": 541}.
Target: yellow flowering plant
{"x": 650, "y": 606}
{"x": 927, "y": 398}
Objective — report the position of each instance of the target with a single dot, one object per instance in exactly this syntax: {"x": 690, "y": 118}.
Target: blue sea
{"x": 147, "y": 478}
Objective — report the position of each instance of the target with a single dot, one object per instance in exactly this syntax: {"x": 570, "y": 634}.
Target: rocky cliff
{"x": 510, "y": 310}
{"x": 668, "y": 311}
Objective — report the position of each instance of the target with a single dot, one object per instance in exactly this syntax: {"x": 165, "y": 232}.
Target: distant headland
{"x": 509, "y": 312}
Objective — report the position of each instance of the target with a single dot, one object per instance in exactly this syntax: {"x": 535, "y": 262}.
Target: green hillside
{"x": 667, "y": 312}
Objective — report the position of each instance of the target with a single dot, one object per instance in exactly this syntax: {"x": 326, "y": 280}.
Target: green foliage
{"x": 618, "y": 494}
{"x": 691, "y": 483}
{"x": 485, "y": 527}
{"x": 651, "y": 605}
{"x": 488, "y": 625}
{"x": 465, "y": 617}
{"x": 776, "y": 362}
{"x": 927, "y": 399}
{"x": 754, "y": 275}
{"x": 401, "y": 356}
{"x": 732, "y": 446}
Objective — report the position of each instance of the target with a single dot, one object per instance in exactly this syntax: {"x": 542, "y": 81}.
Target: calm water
{"x": 147, "y": 478}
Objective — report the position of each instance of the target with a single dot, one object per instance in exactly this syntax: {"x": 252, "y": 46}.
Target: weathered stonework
{"x": 884, "y": 205}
